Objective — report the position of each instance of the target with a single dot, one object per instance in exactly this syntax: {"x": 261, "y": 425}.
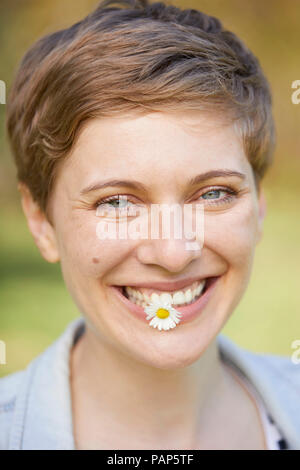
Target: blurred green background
{"x": 35, "y": 305}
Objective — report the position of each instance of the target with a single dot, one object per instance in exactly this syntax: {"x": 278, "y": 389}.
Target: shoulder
{"x": 280, "y": 370}
{"x": 9, "y": 386}
{"x": 282, "y": 365}
{"x": 41, "y": 390}
{"x": 276, "y": 378}
{"x": 276, "y": 367}
{"x": 273, "y": 367}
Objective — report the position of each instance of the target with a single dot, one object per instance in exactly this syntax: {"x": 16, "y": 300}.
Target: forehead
{"x": 156, "y": 144}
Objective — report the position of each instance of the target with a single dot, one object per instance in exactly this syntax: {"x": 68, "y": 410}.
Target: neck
{"x": 125, "y": 393}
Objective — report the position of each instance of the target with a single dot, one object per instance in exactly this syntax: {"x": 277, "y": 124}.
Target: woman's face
{"x": 162, "y": 152}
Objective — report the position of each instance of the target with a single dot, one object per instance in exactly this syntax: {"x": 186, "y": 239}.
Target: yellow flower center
{"x": 162, "y": 313}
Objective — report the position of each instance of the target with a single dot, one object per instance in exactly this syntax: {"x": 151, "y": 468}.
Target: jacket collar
{"x": 277, "y": 380}
{"x": 43, "y": 413}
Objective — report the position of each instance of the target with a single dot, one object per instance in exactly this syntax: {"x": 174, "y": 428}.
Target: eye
{"x": 114, "y": 205}
{"x": 218, "y": 195}
{"x": 213, "y": 194}
{"x": 116, "y": 202}
{"x": 113, "y": 202}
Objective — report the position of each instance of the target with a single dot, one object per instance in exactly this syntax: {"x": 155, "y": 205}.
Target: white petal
{"x": 150, "y": 310}
{"x": 162, "y": 323}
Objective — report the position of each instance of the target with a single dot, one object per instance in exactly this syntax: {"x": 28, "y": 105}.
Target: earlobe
{"x": 48, "y": 247}
{"x": 40, "y": 228}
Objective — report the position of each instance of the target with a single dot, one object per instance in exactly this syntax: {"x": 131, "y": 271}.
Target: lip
{"x": 189, "y": 312}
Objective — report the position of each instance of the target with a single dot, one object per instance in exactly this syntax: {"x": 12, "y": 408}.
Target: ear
{"x": 262, "y": 210}
{"x": 39, "y": 226}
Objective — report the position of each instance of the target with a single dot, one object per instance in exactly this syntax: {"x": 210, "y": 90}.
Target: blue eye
{"x": 120, "y": 203}
{"x": 212, "y": 194}
{"x": 115, "y": 202}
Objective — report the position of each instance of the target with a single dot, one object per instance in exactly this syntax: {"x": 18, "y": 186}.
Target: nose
{"x": 171, "y": 254}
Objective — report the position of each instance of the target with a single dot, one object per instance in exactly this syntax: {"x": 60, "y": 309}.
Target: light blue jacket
{"x": 35, "y": 403}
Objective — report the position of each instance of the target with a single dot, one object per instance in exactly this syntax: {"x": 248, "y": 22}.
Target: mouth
{"x": 189, "y": 300}
{"x": 178, "y": 298}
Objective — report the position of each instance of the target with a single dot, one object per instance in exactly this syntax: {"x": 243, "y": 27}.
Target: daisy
{"x": 162, "y": 315}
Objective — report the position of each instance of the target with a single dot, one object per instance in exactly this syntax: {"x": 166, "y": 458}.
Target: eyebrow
{"x": 133, "y": 184}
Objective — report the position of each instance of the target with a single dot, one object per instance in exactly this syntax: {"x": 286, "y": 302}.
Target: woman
{"x": 130, "y": 109}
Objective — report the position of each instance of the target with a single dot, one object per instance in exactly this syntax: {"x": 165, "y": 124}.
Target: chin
{"x": 170, "y": 353}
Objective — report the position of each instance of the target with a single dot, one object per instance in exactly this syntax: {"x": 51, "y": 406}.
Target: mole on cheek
{"x": 95, "y": 260}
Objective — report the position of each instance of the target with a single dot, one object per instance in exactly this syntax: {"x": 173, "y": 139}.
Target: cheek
{"x": 83, "y": 253}
{"x": 232, "y": 234}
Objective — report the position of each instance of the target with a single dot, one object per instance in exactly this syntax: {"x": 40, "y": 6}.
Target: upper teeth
{"x": 176, "y": 298}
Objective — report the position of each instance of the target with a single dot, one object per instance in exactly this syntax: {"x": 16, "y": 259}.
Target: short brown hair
{"x": 139, "y": 57}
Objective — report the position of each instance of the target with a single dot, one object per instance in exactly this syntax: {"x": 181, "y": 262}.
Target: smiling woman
{"x": 134, "y": 107}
